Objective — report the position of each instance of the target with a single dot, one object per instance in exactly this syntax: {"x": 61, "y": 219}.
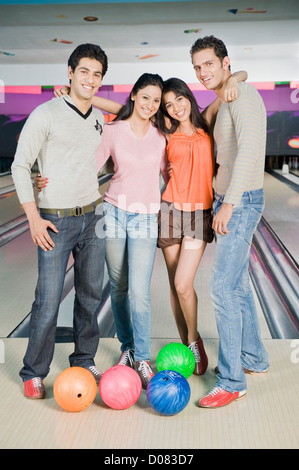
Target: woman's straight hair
{"x": 180, "y": 88}
{"x": 146, "y": 79}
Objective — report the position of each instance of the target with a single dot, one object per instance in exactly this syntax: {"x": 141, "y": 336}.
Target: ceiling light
{"x": 91, "y": 18}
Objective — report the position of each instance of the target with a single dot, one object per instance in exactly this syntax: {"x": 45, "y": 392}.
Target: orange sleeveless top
{"x": 192, "y": 159}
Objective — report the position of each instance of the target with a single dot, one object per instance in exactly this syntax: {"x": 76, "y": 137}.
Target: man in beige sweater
{"x": 63, "y": 136}
{"x": 240, "y": 135}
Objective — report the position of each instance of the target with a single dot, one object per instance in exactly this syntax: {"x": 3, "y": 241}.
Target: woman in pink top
{"x": 131, "y": 205}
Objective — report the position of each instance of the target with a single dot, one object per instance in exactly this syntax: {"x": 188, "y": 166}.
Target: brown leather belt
{"x": 74, "y": 211}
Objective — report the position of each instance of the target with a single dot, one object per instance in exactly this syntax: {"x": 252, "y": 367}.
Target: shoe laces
{"x": 145, "y": 369}
{"x": 125, "y": 358}
{"x": 195, "y": 349}
{"x": 95, "y": 371}
{"x": 37, "y": 382}
{"x": 215, "y": 390}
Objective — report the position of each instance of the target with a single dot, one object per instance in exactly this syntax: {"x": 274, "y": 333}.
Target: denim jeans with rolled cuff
{"x": 240, "y": 343}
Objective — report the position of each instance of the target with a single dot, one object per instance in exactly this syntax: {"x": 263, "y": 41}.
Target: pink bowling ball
{"x": 120, "y": 387}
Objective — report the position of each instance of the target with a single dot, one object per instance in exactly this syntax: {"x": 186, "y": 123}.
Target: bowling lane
{"x": 282, "y": 213}
{"x": 18, "y": 263}
{"x": 10, "y": 207}
{"x": 18, "y": 274}
{"x": 163, "y": 324}
{"x": 5, "y": 180}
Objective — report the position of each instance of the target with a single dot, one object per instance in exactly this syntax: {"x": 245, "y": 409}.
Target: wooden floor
{"x": 267, "y": 419}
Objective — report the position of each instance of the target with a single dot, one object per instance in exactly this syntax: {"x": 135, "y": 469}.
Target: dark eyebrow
{"x": 86, "y": 68}
{"x": 209, "y": 60}
{"x": 149, "y": 96}
{"x": 177, "y": 96}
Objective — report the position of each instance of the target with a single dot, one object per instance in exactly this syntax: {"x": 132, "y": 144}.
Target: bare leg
{"x": 182, "y": 263}
{"x": 190, "y": 257}
{"x": 172, "y": 255}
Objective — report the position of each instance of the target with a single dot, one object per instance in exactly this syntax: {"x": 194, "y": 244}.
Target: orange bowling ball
{"x": 75, "y": 389}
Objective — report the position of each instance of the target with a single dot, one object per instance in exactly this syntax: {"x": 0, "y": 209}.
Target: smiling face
{"x": 86, "y": 79}
{"x": 177, "y": 106}
{"x": 147, "y": 101}
{"x": 210, "y": 70}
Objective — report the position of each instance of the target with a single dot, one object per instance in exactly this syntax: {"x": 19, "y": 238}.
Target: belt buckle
{"x": 78, "y": 211}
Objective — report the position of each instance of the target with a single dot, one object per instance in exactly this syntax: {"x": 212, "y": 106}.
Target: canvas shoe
{"x": 201, "y": 359}
{"x": 144, "y": 371}
{"x": 96, "y": 373}
{"x": 219, "y": 397}
{"x": 34, "y": 388}
{"x": 126, "y": 358}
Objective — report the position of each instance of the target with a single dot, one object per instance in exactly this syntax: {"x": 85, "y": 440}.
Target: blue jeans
{"x": 131, "y": 241}
{"x": 240, "y": 343}
{"x": 75, "y": 235}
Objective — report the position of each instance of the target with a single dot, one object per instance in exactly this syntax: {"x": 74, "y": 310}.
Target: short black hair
{"x": 92, "y": 51}
{"x": 210, "y": 42}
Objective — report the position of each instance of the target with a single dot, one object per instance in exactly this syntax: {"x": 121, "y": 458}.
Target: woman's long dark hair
{"x": 143, "y": 81}
{"x": 180, "y": 88}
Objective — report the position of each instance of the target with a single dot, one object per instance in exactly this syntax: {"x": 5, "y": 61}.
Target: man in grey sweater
{"x": 240, "y": 135}
{"x": 63, "y": 135}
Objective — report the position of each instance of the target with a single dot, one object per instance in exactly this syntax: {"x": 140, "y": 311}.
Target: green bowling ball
{"x": 176, "y": 357}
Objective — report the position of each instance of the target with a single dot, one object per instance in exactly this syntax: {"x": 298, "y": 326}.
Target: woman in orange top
{"x": 185, "y": 220}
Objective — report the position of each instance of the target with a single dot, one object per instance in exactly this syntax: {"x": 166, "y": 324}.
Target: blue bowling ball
{"x": 168, "y": 392}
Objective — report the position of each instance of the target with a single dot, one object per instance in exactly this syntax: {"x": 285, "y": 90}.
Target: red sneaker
{"x": 144, "y": 371}
{"x": 219, "y": 397}
{"x": 126, "y": 358}
{"x": 201, "y": 359}
{"x": 34, "y": 388}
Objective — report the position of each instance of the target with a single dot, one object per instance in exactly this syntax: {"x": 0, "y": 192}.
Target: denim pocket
{"x": 255, "y": 215}
{"x": 54, "y": 219}
{"x": 259, "y": 208}
{"x": 246, "y": 219}
{"x": 108, "y": 208}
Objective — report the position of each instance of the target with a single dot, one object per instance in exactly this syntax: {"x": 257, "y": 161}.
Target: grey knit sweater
{"x": 64, "y": 142}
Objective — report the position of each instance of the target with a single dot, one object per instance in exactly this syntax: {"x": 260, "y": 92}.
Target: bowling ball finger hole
{"x": 165, "y": 379}
{"x": 79, "y": 395}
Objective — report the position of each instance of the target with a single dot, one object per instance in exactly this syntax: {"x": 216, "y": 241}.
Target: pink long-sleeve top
{"x": 135, "y": 185}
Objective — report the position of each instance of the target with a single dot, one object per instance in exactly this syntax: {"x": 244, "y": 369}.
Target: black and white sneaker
{"x": 96, "y": 373}
{"x": 126, "y": 358}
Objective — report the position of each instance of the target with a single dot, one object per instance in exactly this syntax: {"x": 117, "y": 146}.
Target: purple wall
{"x": 282, "y": 106}
{"x": 24, "y": 104}
{"x": 279, "y": 99}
